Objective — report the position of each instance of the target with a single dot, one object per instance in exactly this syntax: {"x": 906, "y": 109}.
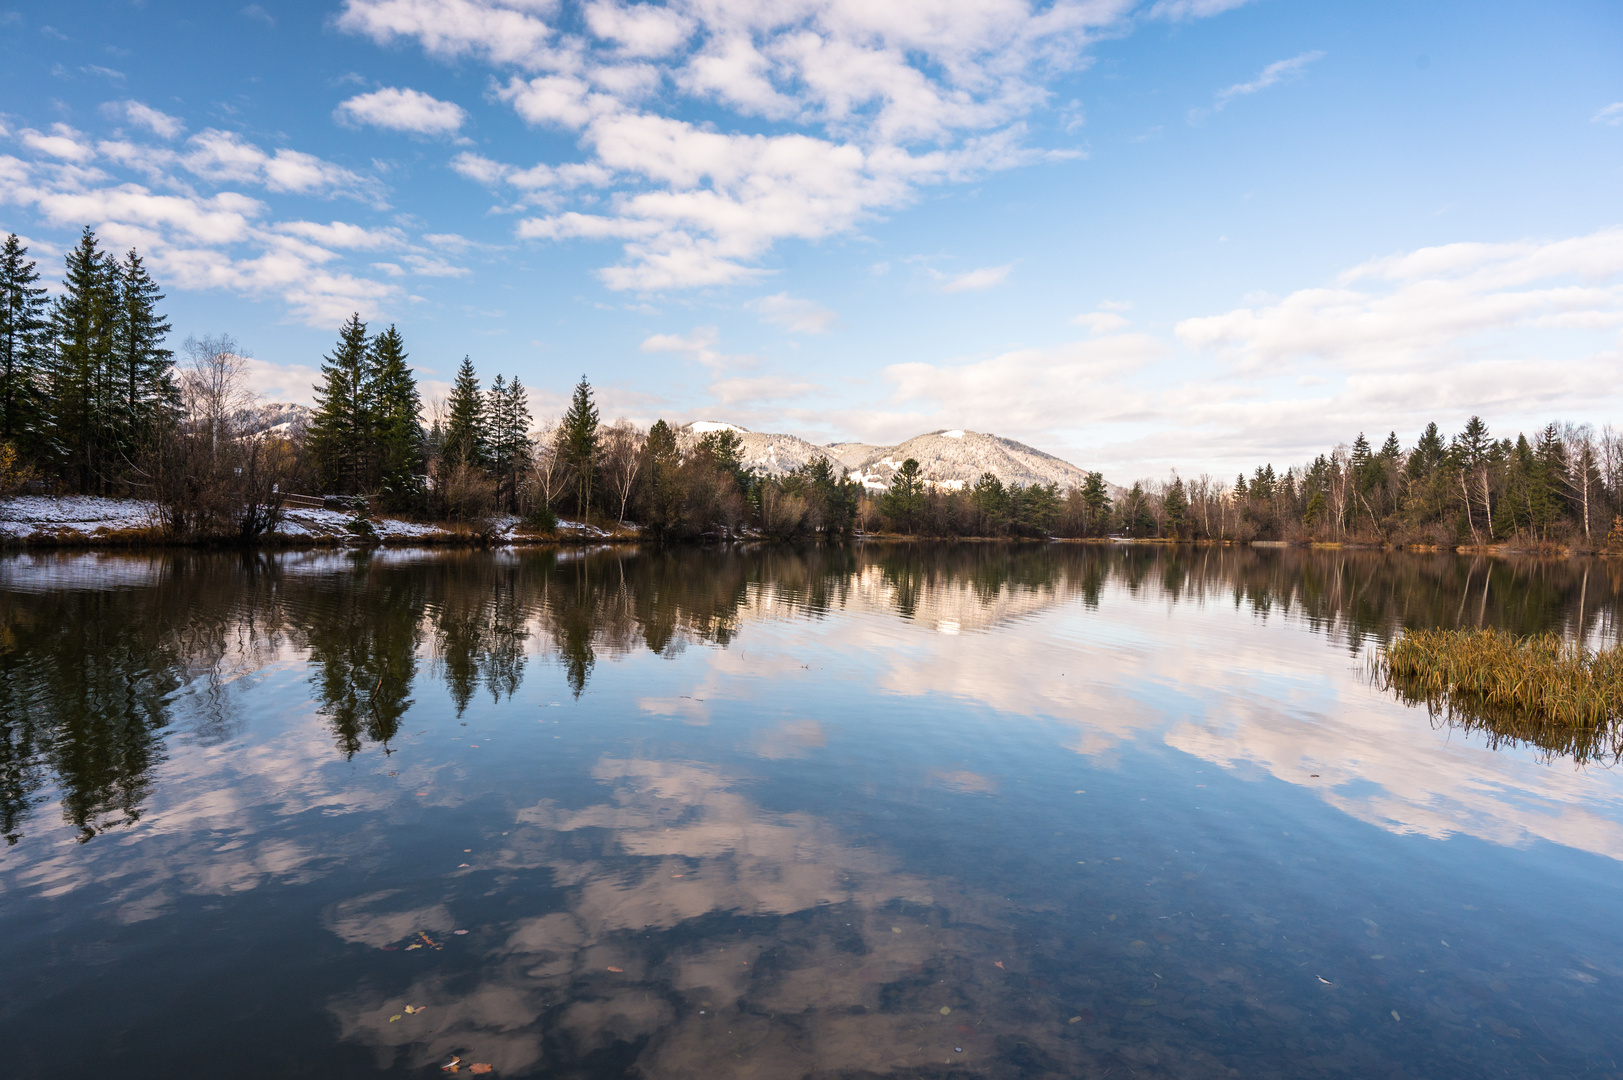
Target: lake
{"x": 912, "y": 810}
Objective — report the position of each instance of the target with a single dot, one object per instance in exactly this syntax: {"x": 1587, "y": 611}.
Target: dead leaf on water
{"x": 997, "y": 963}
{"x": 1325, "y": 981}
{"x": 393, "y": 1018}
{"x": 459, "y": 932}
{"x": 415, "y": 1009}
{"x": 616, "y": 970}
{"x": 411, "y": 947}
{"x": 1074, "y": 1020}
{"x": 946, "y": 1010}
{"x": 1396, "y": 1017}
{"x": 479, "y": 1067}
{"x": 450, "y": 1066}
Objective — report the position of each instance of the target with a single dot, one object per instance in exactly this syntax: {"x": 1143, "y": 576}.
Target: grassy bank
{"x": 1542, "y": 689}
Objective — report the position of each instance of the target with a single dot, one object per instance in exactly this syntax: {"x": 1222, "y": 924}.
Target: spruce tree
{"x": 1096, "y": 497}
{"x": 339, "y": 431}
{"x": 508, "y": 408}
{"x": 24, "y": 341}
{"x": 396, "y": 425}
{"x": 146, "y": 392}
{"x": 577, "y": 444}
{"x": 80, "y": 414}
{"x": 466, "y": 434}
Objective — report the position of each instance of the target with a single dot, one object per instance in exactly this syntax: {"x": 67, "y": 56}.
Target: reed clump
{"x": 1540, "y": 689}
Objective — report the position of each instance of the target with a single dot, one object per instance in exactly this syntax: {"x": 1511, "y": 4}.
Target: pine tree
{"x": 1176, "y": 505}
{"x": 80, "y": 413}
{"x": 339, "y": 431}
{"x": 466, "y": 425}
{"x": 147, "y": 392}
{"x": 662, "y": 467}
{"x": 24, "y": 341}
{"x": 903, "y": 504}
{"x": 1096, "y": 497}
{"x": 508, "y": 408}
{"x": 577, "y": 444}
{"x": 396, "y": 425}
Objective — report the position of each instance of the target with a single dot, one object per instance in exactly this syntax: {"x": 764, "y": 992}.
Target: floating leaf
{"x": 462, "y": 866}
{"x": 997, "y": 963}
{"x": 411, "y": 947}
{"x": 616, "y": 970}
{"x": 450, "y": 1066}
{"x": 1074, "y": 1020}
{"x": 459, "y": 932}
{"x": 393, "y": 1018}
{"x": 1396, "y": 1017}
{"x": 479, "y": 1067}
{"x": 415, "y": 1009}
{"x": 1325, "y": 981}
{"x": 946, "y": 1010}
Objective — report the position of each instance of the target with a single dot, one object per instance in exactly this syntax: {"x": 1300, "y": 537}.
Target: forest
{"x": 93, "y": 402}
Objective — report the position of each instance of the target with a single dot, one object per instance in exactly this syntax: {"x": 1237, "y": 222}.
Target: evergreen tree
{"x": 24, "y": 340}
{"x": 1176, "y": 505}
{"x": 662, "y": 468}
{"x": 340, "y": 431}
{"x": 466, "y": 425}
{"x": 1096, "y": 497}
{"x": 903, "y": 504}
{"x": 80, "y": 414}
{"x": 992, "y": 504}
{"x": 508, "y": 409}
{"x": 146, "y": 393}
{"x": 577, "y": 444}
{"x": 396, "y": 425}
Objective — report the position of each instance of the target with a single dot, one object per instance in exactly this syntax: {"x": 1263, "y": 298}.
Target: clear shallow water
{"x": 972, "y": 811}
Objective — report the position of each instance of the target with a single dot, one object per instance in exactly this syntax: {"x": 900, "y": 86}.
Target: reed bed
{"x": 1542, "y": 689}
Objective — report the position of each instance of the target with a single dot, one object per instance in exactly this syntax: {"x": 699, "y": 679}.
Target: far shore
{"x": 32, "y": 523}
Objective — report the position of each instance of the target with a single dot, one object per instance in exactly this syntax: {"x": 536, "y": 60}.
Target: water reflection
{"x": 97, "y": 652}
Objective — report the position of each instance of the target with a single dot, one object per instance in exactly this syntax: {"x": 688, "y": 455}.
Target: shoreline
{"x": 90, "y": 523}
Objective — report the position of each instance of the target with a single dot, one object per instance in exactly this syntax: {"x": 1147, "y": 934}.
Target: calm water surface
{"x": 892, "y": 811}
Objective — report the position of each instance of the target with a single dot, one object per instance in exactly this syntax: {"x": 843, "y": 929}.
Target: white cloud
{"x": 880, "y": 100}
{"x": 1274, "y": 73}
{"x": 63, "y": 142}
{"x": 987, "y": 277}
{"x": 699, "y": 345}
{"x": 1611, "y": 115}
{"x": 340, "y": 234}
{"x": 1176, "y": 10}
{"x": 223, "y": 156}
{"x": 1100, "y": 322}
{"x": 200, "y": 241}
{"x": 1427, "y": 307}
{"x": 401, "y": 109}
{"x": 160, "y": 124}
{"x": 796, "y": 315}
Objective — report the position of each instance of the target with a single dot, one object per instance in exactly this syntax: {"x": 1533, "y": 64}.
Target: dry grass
{"x": 1542, "y": 690}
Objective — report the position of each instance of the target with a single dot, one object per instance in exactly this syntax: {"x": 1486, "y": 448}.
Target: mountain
{"x": 772, "y": 455}
{"x": 950, "y": 459}
{"x": 279, "y": 418}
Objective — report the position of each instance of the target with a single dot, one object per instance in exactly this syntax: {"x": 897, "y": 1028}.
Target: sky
{"x": 1143, "y": 235}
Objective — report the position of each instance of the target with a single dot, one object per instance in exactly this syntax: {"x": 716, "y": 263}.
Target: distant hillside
{"x": 280, "y": 418}
{"x": 951, "y": 459}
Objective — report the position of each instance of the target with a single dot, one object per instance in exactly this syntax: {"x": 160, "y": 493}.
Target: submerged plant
{"x": 1540, "y": 689}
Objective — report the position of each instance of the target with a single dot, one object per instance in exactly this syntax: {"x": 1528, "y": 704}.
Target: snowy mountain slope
{"x": 950, "y": 459}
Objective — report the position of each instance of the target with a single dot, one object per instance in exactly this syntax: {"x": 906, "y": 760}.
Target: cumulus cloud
{"x": 143, "y": 116}
{"x": 794, "y": 314}
{"x": 879, "y": 100}
{"x": 400, "y": 109}
{"x": 987, "y": 277}
{"x": 145, "y": 195}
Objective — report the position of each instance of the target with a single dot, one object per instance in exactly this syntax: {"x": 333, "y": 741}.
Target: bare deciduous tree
{"x": 621, "y": 450}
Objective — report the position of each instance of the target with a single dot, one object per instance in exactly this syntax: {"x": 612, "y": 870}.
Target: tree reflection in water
{"x": 97, "y": 652}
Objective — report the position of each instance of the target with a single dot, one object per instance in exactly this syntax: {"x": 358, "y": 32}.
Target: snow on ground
{"x": 87, "y": 515}
{"x": 25, "y": 515}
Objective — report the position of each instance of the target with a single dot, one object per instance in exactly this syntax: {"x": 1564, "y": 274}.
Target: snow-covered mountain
{"x": 279, "y": 418}
{"x": 950, "y": 459}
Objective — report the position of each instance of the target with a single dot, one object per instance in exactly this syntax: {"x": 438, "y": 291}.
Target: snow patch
{"x": 956, "y": 433}
{"x": 705, "y": 427}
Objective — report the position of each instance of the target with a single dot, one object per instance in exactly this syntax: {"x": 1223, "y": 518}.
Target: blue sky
{"x": 1192, "y": 234}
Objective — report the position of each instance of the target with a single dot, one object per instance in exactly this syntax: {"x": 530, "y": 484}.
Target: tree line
{"x": 92, "y": 402}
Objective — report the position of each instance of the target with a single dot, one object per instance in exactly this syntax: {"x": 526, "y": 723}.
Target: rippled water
{"x": 1051, "y": 811}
